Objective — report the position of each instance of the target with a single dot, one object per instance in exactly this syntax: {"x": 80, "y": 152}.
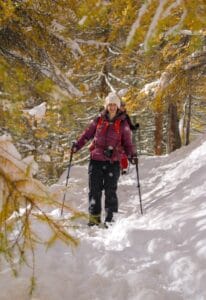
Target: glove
{"x": 74, "y": 147}
{"x": 134, "y": 127}
{"x": 133, "y": 159}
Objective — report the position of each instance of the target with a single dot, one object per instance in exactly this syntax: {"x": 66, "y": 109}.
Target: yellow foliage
{"x": 41, "y": 133}
{"x": 7, "y": 11}
{"x": 45, "y": 43}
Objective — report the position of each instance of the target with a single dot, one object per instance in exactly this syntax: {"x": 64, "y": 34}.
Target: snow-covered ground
{"x": 158, "y": 256}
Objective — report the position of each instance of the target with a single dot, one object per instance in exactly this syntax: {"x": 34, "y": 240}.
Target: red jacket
{"x": 106, "y": 135}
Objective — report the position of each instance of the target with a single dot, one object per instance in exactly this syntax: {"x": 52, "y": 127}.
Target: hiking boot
{"x": 109, "y": 216}
{"x": 94, "y": 220}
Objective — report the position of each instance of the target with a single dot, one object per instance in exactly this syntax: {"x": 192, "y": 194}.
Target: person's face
{"x": 112, "y": 108}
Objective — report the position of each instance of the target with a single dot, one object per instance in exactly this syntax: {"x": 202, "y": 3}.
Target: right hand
{"x": 69, "y": 151}
{"x": 74, "y": 147}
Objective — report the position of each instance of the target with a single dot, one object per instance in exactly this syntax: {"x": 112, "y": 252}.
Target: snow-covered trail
{"x": 158, "y": 256}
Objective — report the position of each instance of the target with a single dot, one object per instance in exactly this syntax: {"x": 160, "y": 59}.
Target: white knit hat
{"x": 112, "y": 98}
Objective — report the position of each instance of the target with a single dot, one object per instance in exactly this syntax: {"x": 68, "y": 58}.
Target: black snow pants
{"x": 103, "y": 175}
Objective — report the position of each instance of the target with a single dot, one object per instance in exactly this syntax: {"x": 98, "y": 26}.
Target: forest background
{"x": 67, "y": 55}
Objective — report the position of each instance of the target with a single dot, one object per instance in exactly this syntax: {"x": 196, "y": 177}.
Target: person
{"x": 124, "y": 161}
{"x": 110, "y": 133}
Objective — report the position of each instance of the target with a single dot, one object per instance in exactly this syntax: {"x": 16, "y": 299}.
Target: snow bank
{"x": 158, "y": 256}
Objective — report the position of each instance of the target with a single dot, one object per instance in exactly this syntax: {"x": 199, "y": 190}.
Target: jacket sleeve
{"x": 87, "y": 134}
{"x": 126, "y": 140}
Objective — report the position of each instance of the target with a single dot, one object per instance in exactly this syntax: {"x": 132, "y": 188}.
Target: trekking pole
{"x": 67, "y": 178}
{"x": 138, "y": 185}
{"x": 139, "y": 140}
{"x": 137, "y": 170}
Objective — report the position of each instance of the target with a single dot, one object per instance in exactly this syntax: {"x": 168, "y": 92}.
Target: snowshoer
{"x": 111, "y": 135}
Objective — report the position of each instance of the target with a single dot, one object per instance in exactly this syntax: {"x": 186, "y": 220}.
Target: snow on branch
{"x": 17, "y": 173}
{"x": 23, "y": 200}
{"x": 136, "y": 24}
{"x": 37, "y": 113}
{"x": 62, "y": 79}
{"x": 168, "y": 10}
{"x": 159, "y": 14}
{"x": 112, "y": 51}
{"x": 153, "y": 88}
{"x": 117, "y": 78}
{"x": 108, "y": 82}
{"x": 154, "y": 22}
{"x": 92, "y": 43}
{"x": 195, "y": 60}
{"x": 72, "y": 44}
{"x": 178, "y": 25}
{"x": 48, "y": 68}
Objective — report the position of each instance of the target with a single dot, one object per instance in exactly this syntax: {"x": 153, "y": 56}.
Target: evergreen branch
{"x": 48, "y": 69}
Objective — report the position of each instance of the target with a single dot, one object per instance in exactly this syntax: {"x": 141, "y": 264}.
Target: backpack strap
{"x": 100, "y": 123}
{"x": 117, "y": 126}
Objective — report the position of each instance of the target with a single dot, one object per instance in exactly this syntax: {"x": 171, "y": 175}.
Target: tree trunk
{"x": 104, "y": 88}
{"x": 158, "y": 133}
{"x": 103, "y": 85}
{"x": 174, "y": 140}
{"x": 188, "y": 121}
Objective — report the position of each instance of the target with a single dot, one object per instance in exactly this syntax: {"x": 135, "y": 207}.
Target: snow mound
{"x": 158, "y": 256}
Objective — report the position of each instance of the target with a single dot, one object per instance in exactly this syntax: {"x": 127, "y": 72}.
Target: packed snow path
{"x": 158, "y": 256}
